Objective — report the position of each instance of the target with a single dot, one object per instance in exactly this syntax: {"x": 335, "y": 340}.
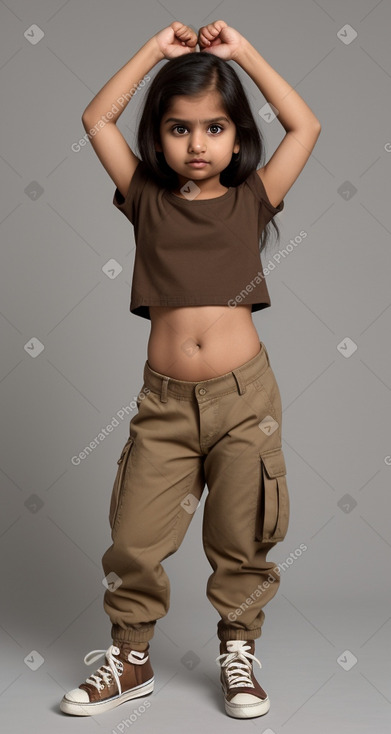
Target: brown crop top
{"x": 196, "y": 252}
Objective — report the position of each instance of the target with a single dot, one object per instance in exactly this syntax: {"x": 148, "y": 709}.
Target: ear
{"x": 236, "y": 147}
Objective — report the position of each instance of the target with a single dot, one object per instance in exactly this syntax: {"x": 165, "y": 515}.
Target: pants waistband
{"x": 236, "y": 379}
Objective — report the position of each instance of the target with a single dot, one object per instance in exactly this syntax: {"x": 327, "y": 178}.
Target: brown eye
{"x": 219, "y": 126}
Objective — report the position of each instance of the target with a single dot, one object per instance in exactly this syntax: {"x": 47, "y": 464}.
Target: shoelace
{"x": 238, "y": 674}
{"x": 101, "y": 677}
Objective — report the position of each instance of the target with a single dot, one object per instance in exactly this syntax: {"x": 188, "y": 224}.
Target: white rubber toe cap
{"x": 78, "y": 695}
{"x": 244, "y": 698}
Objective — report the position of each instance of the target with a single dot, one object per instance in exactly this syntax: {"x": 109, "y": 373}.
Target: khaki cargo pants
{"x": 224, "y": 432}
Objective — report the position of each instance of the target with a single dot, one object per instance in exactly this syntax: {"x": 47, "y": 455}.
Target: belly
{"x": 200, "y": 342}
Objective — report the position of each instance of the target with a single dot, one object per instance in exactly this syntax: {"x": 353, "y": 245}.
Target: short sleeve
{"x": 129, "y": 204}
{"x": 255, "y": 183}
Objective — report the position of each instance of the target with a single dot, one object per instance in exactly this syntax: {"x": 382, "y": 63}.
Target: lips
{"x": 197, "y": 160}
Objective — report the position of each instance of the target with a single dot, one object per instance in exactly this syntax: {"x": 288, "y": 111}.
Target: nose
{"x": 196, "y": 142}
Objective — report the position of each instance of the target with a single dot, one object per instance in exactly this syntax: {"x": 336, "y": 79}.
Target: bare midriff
{"x": 201, "y": 342}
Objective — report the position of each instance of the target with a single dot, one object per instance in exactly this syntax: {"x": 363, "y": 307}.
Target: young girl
{"x": 209, "y": 411}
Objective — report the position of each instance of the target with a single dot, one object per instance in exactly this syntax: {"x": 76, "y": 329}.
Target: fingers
{"x": 206, "y": 35}
{"x": 184, "y": 33}
{"x": 209, "y": 32}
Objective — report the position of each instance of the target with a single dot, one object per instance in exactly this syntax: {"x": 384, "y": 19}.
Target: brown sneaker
{"x": 128, "y": 674}
{"x": 243, "y": 696}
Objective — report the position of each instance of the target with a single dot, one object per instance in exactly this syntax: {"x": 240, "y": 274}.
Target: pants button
{"x": 202, "y": 391}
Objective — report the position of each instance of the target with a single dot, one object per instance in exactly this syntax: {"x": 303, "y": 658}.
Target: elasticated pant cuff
{"x": 119, "y": 634}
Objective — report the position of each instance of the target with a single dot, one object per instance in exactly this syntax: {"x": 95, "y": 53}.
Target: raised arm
{"x": 100, "y": 116}
{"x": 301, "y": 125}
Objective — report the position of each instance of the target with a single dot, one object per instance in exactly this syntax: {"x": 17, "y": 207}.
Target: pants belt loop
{"x": 163, "y": 393}
{"x": 239, "y": 381}
{"x": 266, "y": 353}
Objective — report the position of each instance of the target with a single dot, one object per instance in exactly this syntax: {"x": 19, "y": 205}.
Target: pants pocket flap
{"x": 274, "y": 462}
{"x": 274, "y": 500}
{"x": 125, "y": 449}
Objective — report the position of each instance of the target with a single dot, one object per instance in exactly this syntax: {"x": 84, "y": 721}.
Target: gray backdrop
{"x": 325, "y": 642}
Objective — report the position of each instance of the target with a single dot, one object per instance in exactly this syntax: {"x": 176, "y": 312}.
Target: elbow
{"x": 314, "y": 129}
{"x": 86, "y": 116}
{"x": 86, "y": 122}
{"x": 310, "y": 126}
{"x": 313, "y": 123}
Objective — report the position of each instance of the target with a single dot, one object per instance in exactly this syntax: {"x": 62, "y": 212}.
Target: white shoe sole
{"x": 90, "y": 709}
{"x": 248, "y": 710}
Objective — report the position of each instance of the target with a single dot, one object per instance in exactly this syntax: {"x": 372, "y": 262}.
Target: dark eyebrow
{"x": 187, "y": 122}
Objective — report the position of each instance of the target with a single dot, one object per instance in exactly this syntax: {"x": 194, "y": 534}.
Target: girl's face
{"x": 197, "y": 127}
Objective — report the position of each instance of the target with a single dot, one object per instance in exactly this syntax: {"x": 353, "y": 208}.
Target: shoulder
{"x": 139, "y": 183}
{"x": 257, "y": 182}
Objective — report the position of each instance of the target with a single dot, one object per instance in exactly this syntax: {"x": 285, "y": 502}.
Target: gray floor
{"x": 306, "y": 685}
{"x": 324, "y": 666}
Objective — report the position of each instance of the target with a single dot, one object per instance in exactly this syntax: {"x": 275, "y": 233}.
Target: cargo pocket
{"x": 118, "y": 482}
{"x": 273, "y": 514}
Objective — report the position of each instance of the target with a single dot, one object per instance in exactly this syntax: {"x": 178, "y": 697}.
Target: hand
{"x": 219, "y": 39}
{"x": 176, "y": 40}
